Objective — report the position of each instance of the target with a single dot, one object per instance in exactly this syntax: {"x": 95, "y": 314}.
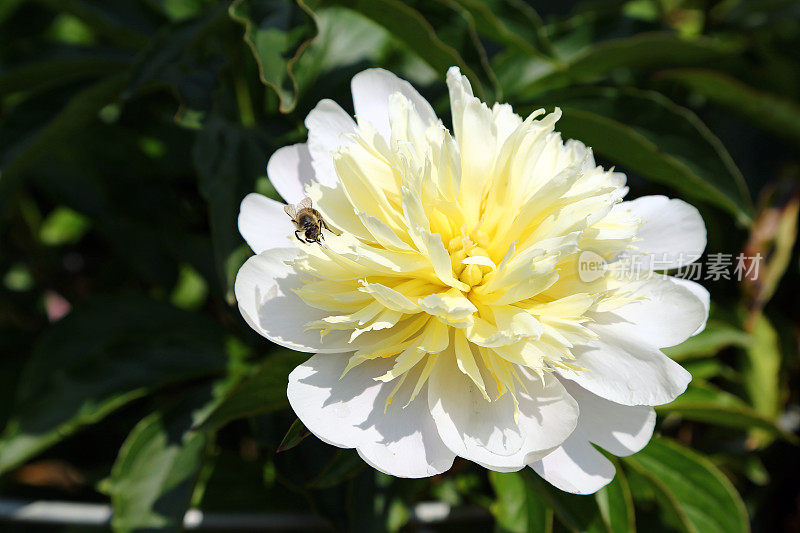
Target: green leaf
{"x": 698, "y": 494}
{"x": 705, "y": 403}
{"x": 277, "y": 32}
{"x": 522, "y": 75}
{"x": 705, "y": 369}
{"x": 103, "y": 355}
{"x": 415, "y": 31}
{"x": 518, "y": 507}
{"x": 297, "y": 432}
{"x": 81, "y": 110}
{"x": 616, "y": 503}
{"x": 172, "y": 42}
{"x": 228, "y": 158}
{"x": 769, "y": 111}
{"x": 709, "y": 342}
{"x": 510, "y": 22}
{"x": 263, "y": 391}
{"x": 645, "y": 133}
{"x": 152, "y": 479}
{"x": 578, "y": 513}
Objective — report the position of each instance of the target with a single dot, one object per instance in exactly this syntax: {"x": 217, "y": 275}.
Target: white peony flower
{"x": 450, "y": 318}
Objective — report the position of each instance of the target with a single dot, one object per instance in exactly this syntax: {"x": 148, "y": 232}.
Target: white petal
{"x": 626, "y": 371}
{"x": 665, "y": 314}
{"x": 264, "y": 291}
{"x": 672, "y": 233}
{"x": 371, "y": 90}
{"x": 290, "y": 170}
{"x": 328, "y": 126}
{"x": 486, "y": 432}
{"x": 701, "y": 293}
{"x": 576, "y": 466}
{"x": 619, "y": 429}
{"x": 263, "y": 223}
{"x": 349, "y": 413}
{"x": 476, "y": 133}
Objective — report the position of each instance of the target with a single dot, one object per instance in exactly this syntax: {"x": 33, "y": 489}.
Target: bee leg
{"x": 297, "y": 236}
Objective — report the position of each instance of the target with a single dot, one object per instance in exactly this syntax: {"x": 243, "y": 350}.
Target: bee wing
{"x": 305, "y": 203}
{"x": 290, "y": 210}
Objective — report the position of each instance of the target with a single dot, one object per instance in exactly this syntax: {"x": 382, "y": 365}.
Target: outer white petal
{"x": 264, "y": 291}
{"x": 290, "y": 170}
{"x": 619, "y": 429}
{"x": 349, "y": 413}
{"x": 328, "y": 126}
{"x": 626, "y": 371}
{"x": 666, "y": 314}
{"x": 672, "y": 233}
{"x": 576, "y": 466}
{"x": 622, "y": 430}
{"x": 371, "y": 90}
{"x": 485, "y": 432}
{"x": 701, "y": 293}
{"x": 263, "y": 223}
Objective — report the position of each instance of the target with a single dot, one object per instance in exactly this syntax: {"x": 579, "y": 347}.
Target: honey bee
{"x": 308, "y": 221}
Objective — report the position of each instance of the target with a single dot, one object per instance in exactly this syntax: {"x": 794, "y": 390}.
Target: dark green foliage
{"x": 130, "y": 130}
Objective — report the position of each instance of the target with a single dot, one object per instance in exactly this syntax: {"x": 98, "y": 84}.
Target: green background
{"x": 130, "y": 130}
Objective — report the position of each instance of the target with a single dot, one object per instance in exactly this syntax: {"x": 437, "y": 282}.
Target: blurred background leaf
{"x": 130, "y": 130}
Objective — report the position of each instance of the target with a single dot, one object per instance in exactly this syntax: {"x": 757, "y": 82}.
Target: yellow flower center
{"x": 447, "y": 249}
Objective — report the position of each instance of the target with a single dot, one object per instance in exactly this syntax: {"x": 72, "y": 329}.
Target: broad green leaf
{"x": 277, "y": 32}
{"x": 699, "y": 495}
{"x": 510, "y": 22}
{"x": 646, "y": 133}
{"x": 171, "y": 43}
{"x": 521, "y": 75}
{"x": 103, "y": 355}
{"x": 228, "y": 159}
{"x": 769, "y": 111}
{"x": 709, "y": 342}
{"x": 518, "y": 507}
{"x": 705, "y": 369}
{"x": 705, "y": 403}
{"x": 297, "y": 432}
{"x": 80, "y": 110}
{"x": 152, "y": 479}
{"x": 345, "y": 38}
{"x": 415, "y": 31}
{"x": 577, "y": 513}
{"x": 262, "y": 392}
{"x": 616, "y": 503}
